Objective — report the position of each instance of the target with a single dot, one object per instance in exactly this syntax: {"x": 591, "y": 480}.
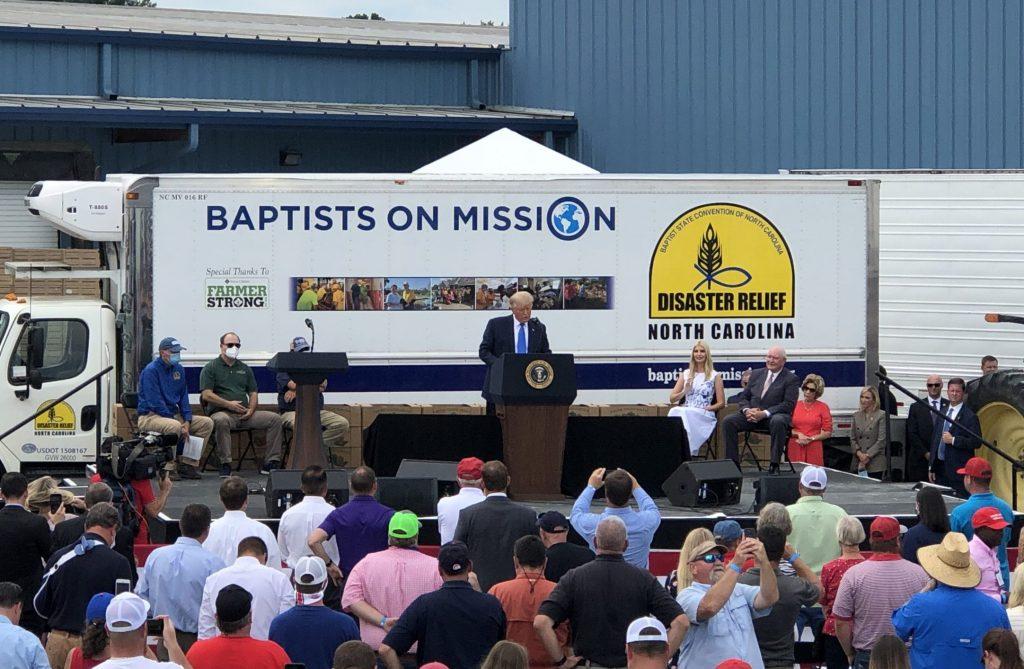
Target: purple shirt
{"x": 988, "y": 563}
{"x": 361, "y": 526}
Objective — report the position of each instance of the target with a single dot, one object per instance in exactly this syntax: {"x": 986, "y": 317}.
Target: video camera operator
{"x": 129, "y": 468}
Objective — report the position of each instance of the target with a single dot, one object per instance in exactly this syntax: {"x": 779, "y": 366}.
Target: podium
{"x": 532, "y": 394}
{"x": 308, "y": 371}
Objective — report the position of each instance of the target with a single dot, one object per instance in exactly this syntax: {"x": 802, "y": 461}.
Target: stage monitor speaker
{"x": 704, "y": 483}
{"x": 284, "y": 488}
{"x": 781, "y": 488}
{"x": 418, "y": 495}
{"x": 445, "y": 472}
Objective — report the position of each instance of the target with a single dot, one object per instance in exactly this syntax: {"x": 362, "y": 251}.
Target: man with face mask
{"x": 230, "y": 393}
{"x": 164, "y": 406}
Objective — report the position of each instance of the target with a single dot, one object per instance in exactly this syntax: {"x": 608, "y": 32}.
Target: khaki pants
{"x": 225, "y": 421}
{"x": 199, "y": 426}
{"x": 335, "y": 427}
{"x": 59, "y": 644}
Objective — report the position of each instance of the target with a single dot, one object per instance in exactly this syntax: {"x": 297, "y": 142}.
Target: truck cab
{"x": 48, "y": 348}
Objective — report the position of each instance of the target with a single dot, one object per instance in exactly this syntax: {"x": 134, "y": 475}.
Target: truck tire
{"x": 998, "y": 400}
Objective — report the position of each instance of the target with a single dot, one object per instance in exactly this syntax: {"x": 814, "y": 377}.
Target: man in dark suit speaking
{"x": 517, "y": 333}
{"x": 952, "y": 446}
{"x": 766, "y": 403}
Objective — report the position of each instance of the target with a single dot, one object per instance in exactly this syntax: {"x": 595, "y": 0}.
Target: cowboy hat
{"x": 950, "y": 562}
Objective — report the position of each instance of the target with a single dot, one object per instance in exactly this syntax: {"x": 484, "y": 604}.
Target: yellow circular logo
{"x": 721, "y": 260}
{"x": 539, "y": 374}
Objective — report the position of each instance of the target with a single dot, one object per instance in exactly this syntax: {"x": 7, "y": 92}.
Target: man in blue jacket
{"x": 164, "y": 405}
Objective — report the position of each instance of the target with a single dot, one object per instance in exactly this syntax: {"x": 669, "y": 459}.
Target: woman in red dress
{"x": 811, "y": 424}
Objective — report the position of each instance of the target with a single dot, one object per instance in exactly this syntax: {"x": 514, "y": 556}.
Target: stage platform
{"x": 865, "y": 498}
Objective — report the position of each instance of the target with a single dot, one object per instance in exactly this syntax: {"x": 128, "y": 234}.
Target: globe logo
{"x": 568, "y": 218}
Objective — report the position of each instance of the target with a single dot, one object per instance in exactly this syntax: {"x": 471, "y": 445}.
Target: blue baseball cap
{"x": 300, "y": 344}
{"x": 171, "y": 344}
{"x": 727, "y": 530}
{"x": 97, "y": 608}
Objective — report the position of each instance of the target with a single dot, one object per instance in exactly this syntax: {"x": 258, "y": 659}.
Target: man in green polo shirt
{"x": 814, "y": 532}
{"x": 229, "y": 392}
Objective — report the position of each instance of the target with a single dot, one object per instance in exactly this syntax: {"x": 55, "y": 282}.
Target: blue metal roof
{"x": 152, "y": 112}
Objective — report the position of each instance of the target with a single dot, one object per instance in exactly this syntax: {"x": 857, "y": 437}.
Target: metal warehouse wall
{"x": 74, "y": 68}
{"x": 230, "y": 150}
{"x": 758, "y": 85}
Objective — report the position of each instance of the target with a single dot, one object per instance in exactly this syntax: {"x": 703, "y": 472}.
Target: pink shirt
{"x": 870, "y": 591}
{"x": 988, "y": 562}
{"x": 389, "y": 581}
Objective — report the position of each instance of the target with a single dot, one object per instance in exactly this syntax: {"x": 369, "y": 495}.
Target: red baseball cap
{"x": 470, "y": 469}
{"x": 885, "y": 528}
{"x": 976, "y": 468}
{"x": 988, "y": 516}
{"x": 733, "y": 664}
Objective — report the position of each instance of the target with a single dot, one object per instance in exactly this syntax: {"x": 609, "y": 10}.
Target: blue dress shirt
{"x": 947, "y": 626}
{"x": 19, "y": 648}
{"x": 960, "y": 521}
{"x": 640, "y": 525}
{"x": 173, "y": 579}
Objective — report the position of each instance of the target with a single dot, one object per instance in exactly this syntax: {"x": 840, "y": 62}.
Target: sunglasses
{"x": 232, "y": 345}
{"x": 711, "y": 558}
{"x": 812, "y": 388}
{"x": 934, "y": 385}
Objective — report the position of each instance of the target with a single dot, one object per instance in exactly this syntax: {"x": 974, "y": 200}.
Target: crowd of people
{"x": 348, "y": 587}
{"x": 941, "y": 432}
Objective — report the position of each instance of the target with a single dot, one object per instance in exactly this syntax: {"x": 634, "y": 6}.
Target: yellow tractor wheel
{"x": 998, "y": 400}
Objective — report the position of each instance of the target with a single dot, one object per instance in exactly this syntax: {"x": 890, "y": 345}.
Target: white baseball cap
{"x": 639, "y": 630}
{"x": 127, "y": 612}
{"x": 310, "y": 570}
{"x": 814, "y": 478}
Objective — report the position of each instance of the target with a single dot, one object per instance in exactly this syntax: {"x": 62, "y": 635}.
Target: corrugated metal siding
{"x": 161, "y": 72}
{"x": 48, "y": 68}
{"x": 741, "y": 86}
{"x": 18, "y": 228}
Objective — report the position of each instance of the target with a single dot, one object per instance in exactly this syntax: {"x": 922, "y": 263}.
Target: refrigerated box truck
{"x": 403, "y": 271}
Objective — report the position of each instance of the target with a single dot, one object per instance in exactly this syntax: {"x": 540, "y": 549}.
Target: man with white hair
{"x": 516, "y": 333}
{"x": 601, "y": 599}
{"x": 766, "y": 403}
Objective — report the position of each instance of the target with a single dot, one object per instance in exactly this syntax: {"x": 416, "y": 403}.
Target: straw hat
{"x": 950, "y": 562}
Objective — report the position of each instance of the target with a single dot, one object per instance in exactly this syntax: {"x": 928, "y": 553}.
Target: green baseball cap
{"x": 403, "y": 525}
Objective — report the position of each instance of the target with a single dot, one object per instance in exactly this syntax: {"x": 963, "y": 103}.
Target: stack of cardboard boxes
{"x": 40, "y": 285}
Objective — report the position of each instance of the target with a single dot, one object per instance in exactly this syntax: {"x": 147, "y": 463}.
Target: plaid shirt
{"x": 389, "y": 581}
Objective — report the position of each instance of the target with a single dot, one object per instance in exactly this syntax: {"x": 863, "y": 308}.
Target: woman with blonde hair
{"x": 889, "y": 653}
{"x": 1015, "y": 605}
{"x": 867, "y": 436}
{"x": 506, "y": 655}
{"x": 811, "y": 424}
{"x": 681, "y": 577}
{"x": 698, "y": 394}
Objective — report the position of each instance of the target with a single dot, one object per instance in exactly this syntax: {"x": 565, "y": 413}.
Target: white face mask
{"x": 231, "y": 352}
{"x": 308, "y": 600}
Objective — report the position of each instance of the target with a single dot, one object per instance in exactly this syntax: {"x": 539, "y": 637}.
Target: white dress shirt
{"x": 297, "y": 523}
{"x": 227, "y": 532}
{"x": 270, "y": 589}
{"x": 448, "y": 509}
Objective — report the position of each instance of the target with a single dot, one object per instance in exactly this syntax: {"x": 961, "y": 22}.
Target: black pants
{"x": 777, "y": 426}
{"x": 835, "y": 657}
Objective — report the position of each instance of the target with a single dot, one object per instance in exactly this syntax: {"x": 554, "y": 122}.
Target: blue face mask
{"x": 175, "y": 358}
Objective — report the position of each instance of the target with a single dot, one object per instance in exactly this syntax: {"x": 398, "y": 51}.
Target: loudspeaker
{"x": 446, "y": 474}
{"x": 781, "y": 488}
{"x": 704, "y": 483}
{"x": 284, "y": 488}
{"x": 417, "y": 495}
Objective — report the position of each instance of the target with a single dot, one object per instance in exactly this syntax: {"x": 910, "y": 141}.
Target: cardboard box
{"x": 351, "y": 455}
{"x": 82, "y": 287}
{"x": 122, "y": 422}
{"x": 629, "y": 410}
{"x": 40, "y": 255}
{"x": 371, "y": 411}
{"x": 585, "y": 410}
{"x": 38, "y": 287}
{"x": 454, "y": 409}
{"x": 89, "y": 258}
{"x": 353, "y": 413}
{"x": 6, "y": 254}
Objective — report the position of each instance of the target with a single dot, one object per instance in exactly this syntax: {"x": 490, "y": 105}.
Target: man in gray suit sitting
{"x": 765, "y": 404}
{"x": 490, "y": 528}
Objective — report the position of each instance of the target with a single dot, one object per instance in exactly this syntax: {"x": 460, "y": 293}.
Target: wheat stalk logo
{"x": 709, "y": 263}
